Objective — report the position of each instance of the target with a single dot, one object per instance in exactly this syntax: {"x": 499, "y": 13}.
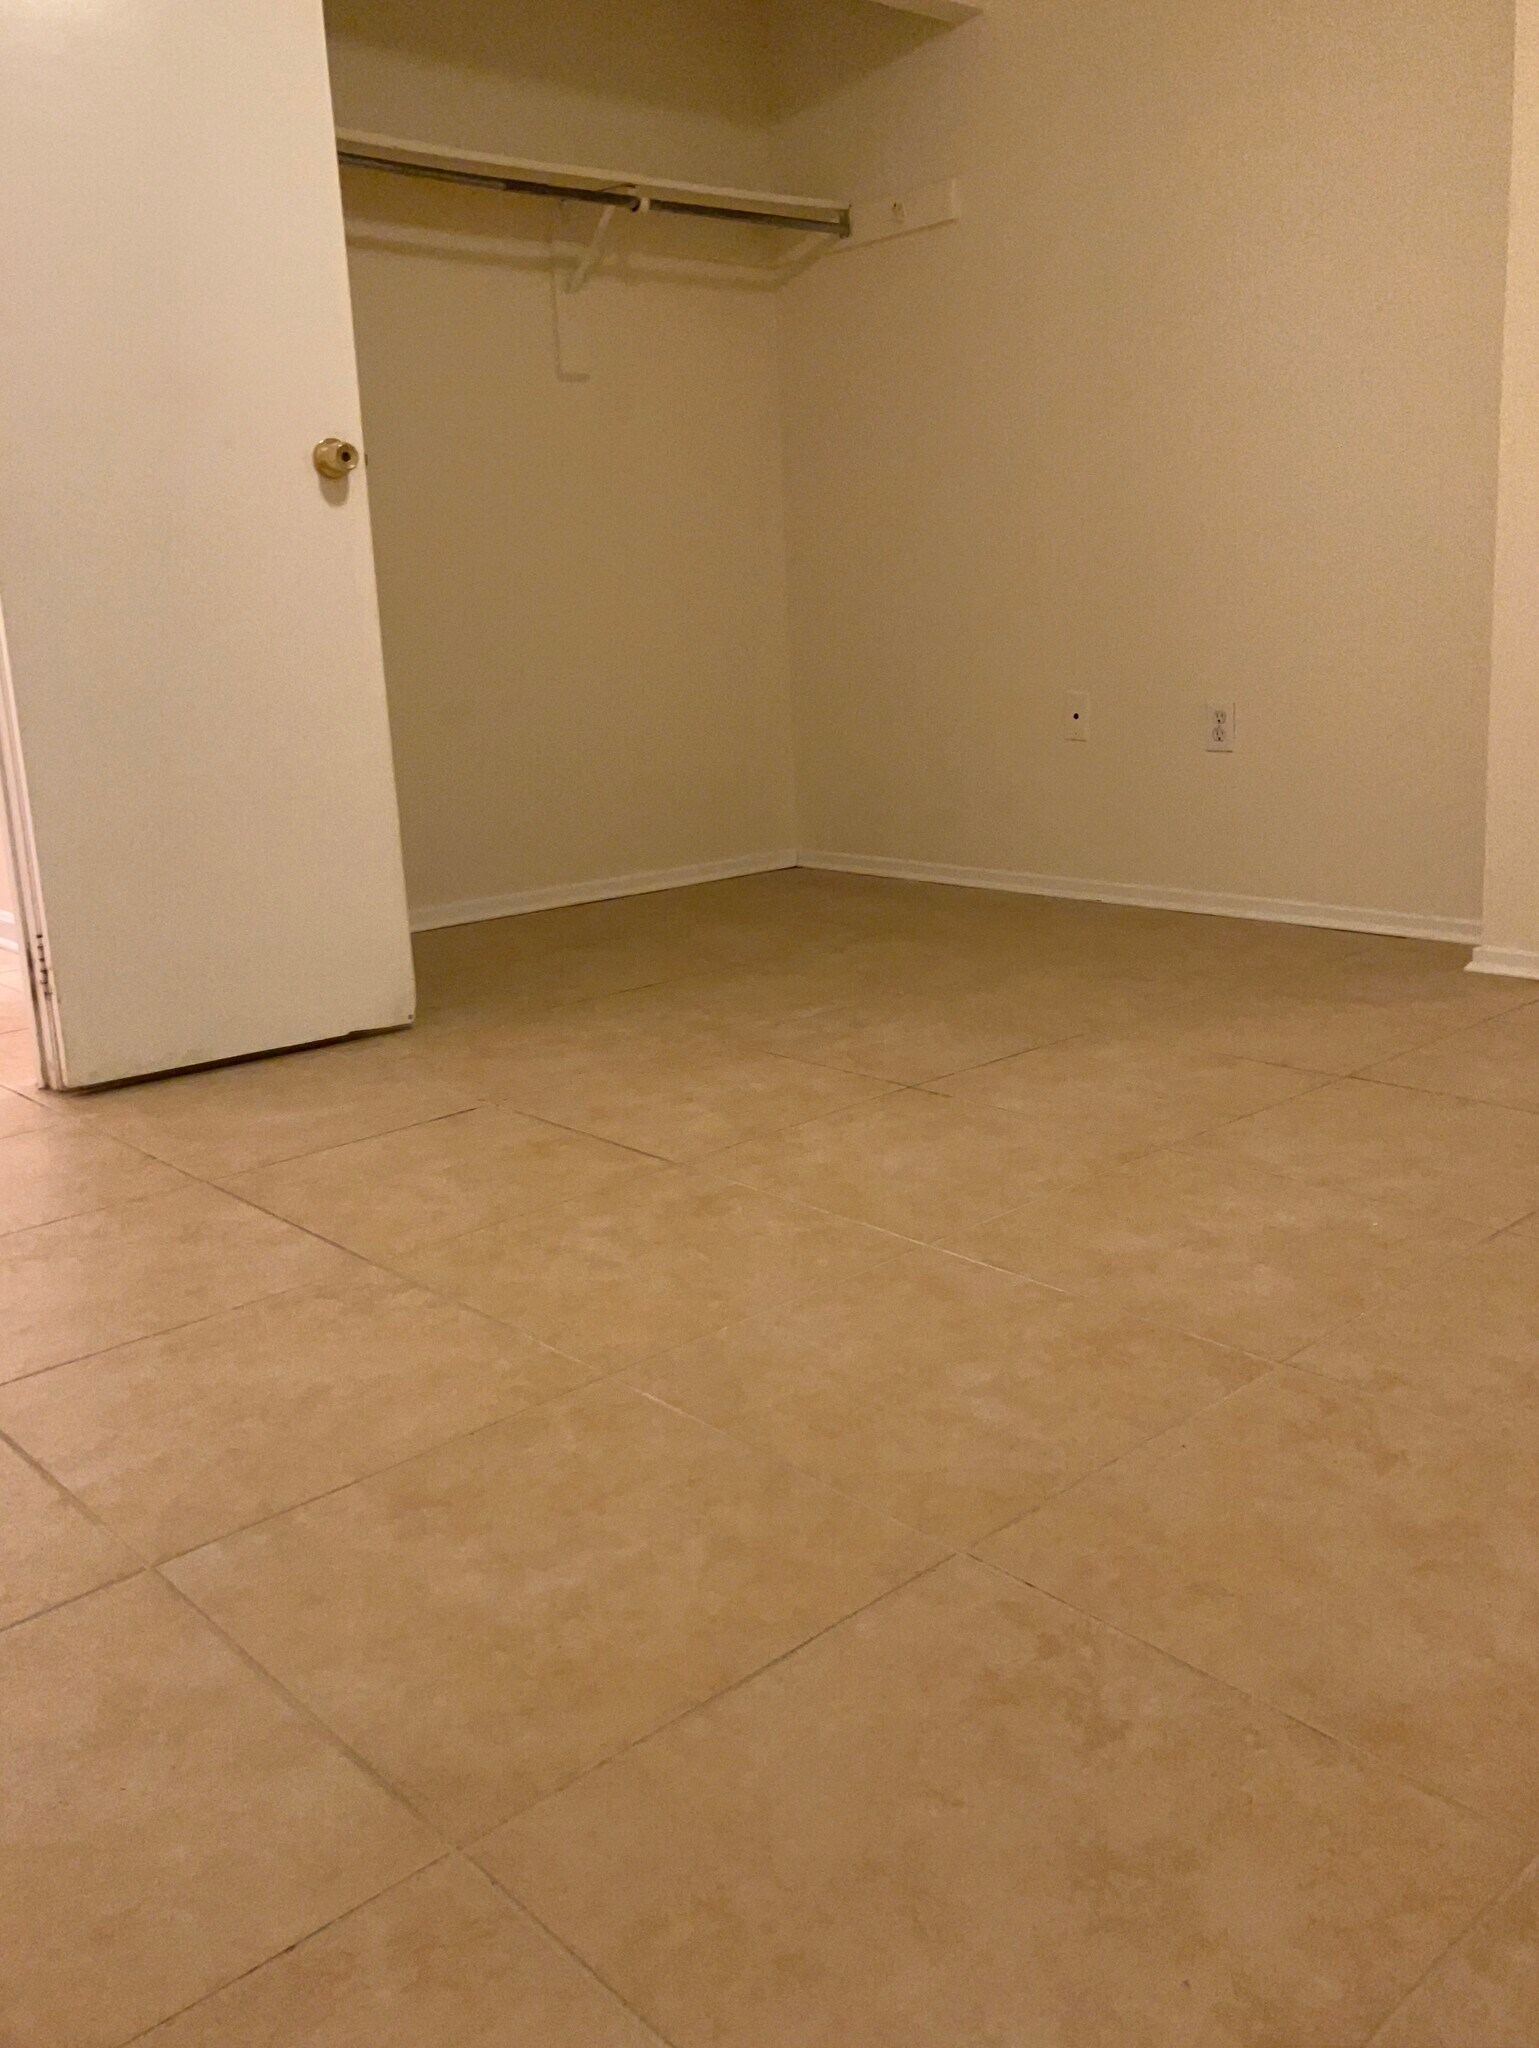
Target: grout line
{"x": 754, "y": 1448}
{"x": 904, "y": 1244}
{"x": 588, "y": 1968}
{"x": 135, "y": 1571}
{"x": 315, "y": 1721}
{"x": 288, "y": 1949}
{"x": 687, "y": 1713}
{"x": 1496, "y": 1825}
{"x": 1445, "y": 1955}
{"x": 450, "y": 1442}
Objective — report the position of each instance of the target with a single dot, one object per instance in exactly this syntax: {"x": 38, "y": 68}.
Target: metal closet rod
{"x": 589, "y": 195}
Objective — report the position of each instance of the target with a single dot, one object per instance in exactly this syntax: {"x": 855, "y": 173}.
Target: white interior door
{"x": 197, "y": 693}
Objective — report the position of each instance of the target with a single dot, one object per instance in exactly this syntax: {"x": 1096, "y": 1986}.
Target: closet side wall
{"x": 1198, "y": 402}
{"x": 582, "y": 583}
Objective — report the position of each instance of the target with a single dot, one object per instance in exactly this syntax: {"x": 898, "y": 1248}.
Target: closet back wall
{"x": 582, "y": 583}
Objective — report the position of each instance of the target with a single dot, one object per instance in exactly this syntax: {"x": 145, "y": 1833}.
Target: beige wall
{"x": 1199, "y": 401}
{"x": 1512, "y": 842}
{"x": 581, "y": 583}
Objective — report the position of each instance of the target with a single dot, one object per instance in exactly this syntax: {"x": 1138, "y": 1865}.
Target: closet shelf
{"x": 626, "y": 191}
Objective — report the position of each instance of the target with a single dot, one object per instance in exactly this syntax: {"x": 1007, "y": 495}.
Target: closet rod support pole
{"x": 594, "y": 250}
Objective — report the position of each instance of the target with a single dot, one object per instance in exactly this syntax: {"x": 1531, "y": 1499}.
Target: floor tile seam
{"x": 1491, "y": 1016}
{"x": 1281, "y": 1370}
{"x": 1402, "y": 1394}
{"x": 1142, "y": 1150}
{"x": 207, "y": 1175}
{"x": 311, "y": 1718}
{"x": 1434, "y": 1261}
{"x": 481, "y": 1107}
{"x": 1100, "y": 1300}
{"x": 456, "y": 1438}
{"x": 1445, "y": 1955}
{"x": 289, "y": 1948}
{"x": 192, "y": 1322}
{"x": 1196, "y": 1146}
{"x": 1372, "y": 1079}
{"x": 963, "y": 1545}
{"x": 882, "y": 1087}
{"x": 152, "y": 1569}
{"x": 928, "y": 1081}
{"x": 477, "y": 1842}
{"x": 932, "y": 1084}
{"x": 586, "y": 1964}
{"x": 67, "y": 1493}
{"x": 645, "y": 1162}
{"x": 1498, "y": 1826}
{"x": 899, "y": 1248}
{"x": 1264, "y": 1369}
{"x": 1267, "y": 1370}
{"x": 482, "y": 994}
{"x": 1105, "y": 1300}
{"x": 189, "y": 1180}
{"x": 820, "y": 1480}
{"x": 123, "y": 1578}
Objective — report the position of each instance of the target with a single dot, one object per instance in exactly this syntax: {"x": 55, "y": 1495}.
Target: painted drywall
{"x": 582, "y": 583}
{"x": 1512, "y": 824}
{"x": 1199, "y": 401}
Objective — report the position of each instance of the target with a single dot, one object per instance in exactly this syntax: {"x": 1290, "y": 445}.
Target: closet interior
{"x": 572, "y": 230}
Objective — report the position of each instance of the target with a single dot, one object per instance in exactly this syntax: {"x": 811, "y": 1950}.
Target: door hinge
{"x": 42, "y": 973}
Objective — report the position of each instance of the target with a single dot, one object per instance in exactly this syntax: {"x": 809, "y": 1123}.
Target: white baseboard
{"x": 9, "y": 940}
{"x": 1273, "y": 910}
{"x": 432, "y": 916}
{"x": 1505, "y": 960}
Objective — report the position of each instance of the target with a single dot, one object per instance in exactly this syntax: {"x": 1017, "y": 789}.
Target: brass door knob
{"x": 336, "y": 459}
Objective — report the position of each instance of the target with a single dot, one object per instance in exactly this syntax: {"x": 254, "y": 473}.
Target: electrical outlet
{"x": 1076, "y": 716}
{"x": 1221, "y": 728}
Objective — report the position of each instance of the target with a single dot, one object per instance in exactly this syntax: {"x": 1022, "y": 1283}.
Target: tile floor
{"x": 807, "y": 1463}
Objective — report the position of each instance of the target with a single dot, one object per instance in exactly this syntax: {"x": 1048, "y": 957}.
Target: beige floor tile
{"x": 1363, "y": 1564}
{"x": 1474, "y": 1163}
{"x": 1493, "y": 1062}
{"x": 969, "y": 1815}
{"x": 385, "y": 1195}
{"x": 672, "y": 1088}
{"x": 655, "y": 1260}
{"x": 168, "y": 1821}
{"x": 946, "y": 1394}
{"x": 1126, "y": 1093}
{"x": 17, "y": 1112}
{"x": 65, "y": 1169}
{"x": 505, "y": 1612}
{"x": 913, "y": 1162}
{"x": 1219, "y": 1247}
{"x": 537, "y": 962}
{"x": 922, "y": 1035}
{"x": 226, "y": 1119}
{"x": 113, "y": 1275}
{"x": 21, "y": 1076}
{"x": 49, "y": 1550}
{"x": 1485, "y": 1994}
{"x": 443, "y": 1961}
{"x": 15, "y": 1007}
{"x": 1333, "y": 1017}
{"x": 1463, "y": 1336}
{"x": 183, "y": 1437}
